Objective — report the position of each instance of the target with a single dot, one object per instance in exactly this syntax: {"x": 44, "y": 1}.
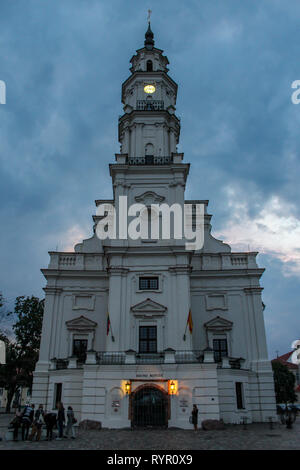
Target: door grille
{"x": 149, "y": 408}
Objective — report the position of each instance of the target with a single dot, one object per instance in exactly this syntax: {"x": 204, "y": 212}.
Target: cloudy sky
{"x": 63, "y": 62}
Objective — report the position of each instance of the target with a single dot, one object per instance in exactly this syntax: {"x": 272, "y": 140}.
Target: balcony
{"x": 150, "y": 160}
{"x": 150, "y": 105}
{"x": 169, "y": 356}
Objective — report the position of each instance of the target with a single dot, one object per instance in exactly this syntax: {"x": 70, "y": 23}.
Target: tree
{"x": 284, "y": 381}
{"x": 22, "y": 354}
{"x": 13, "y": 373}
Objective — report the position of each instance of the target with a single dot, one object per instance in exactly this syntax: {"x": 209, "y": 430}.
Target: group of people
{"x": 36, "y": 419}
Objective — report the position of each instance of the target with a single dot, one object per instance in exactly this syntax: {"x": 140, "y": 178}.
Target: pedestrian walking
{"x": 27, "y": 418}
{"x": 195, "y": 417}
{"x": 70, "y": 422}
{"x": 37, "y": 423}
{"x": 60, "y": 419}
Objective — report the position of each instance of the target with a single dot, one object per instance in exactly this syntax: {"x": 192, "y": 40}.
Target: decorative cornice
{"x": 184, "y": 269}
{"x": 117, "y": 270}
{"x": 253, "y": 290}
{"x": 52, "y": 290}
{"x": 148, "y": 306}
{"x": 218, "y": 324}
{"x": 81, "y": 323}
{"x": 156, "y": 198}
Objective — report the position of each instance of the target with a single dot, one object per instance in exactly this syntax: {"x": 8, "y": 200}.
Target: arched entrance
{"x": 149, "y": 407}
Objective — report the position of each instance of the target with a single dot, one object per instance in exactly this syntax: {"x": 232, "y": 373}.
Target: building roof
{"x": 284, "y": 359}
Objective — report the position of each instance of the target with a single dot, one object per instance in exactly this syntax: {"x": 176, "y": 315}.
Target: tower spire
{"x": 149, "y": 36}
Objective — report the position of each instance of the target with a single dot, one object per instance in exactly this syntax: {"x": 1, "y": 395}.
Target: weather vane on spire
{"x": 149, "y": 15}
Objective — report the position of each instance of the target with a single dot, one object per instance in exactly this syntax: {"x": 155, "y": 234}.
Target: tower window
{"x": 148, "y": 339}
{"x": 239, "y": 395}
{"x": 148, "y": 283}
{"x": 220, "y": 349}
{"x": 149, "y": 66}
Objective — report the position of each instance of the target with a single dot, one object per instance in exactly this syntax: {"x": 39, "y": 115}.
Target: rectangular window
{"x": 220, "y": 349}
{"x": 148, "y": 283}
{"x": 239, "y": 395}
{"x": 57, "y": 393}
{"x": 148, "y": 339}
{"x": 79, "y": 349}
{"x": 1, "y": 392}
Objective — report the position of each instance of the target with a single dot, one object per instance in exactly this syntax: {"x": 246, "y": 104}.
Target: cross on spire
{"x": 149, "y": 36}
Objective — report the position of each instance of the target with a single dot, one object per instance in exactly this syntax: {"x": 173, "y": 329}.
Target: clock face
{"x": 149, "y": 89}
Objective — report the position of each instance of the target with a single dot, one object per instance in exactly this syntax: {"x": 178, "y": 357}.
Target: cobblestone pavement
{"x": 234, "y": 437}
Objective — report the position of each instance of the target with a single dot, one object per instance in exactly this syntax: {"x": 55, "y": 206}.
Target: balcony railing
{"x": 107, "y": 358}
{"x": 150, "y": 160}
{"x": 156, "y": 358}
{"x": 132, "y": 357}
{"x": 149, "y": 105}
{"x": 188, "y": 357}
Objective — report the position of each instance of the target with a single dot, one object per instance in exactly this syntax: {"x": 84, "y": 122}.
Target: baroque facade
{"x": 147, "y": 365}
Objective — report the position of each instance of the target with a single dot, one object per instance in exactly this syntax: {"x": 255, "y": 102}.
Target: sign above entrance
{"x": 148, "y": 375}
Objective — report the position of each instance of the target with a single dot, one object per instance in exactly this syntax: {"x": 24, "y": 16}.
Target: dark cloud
{"x": 63, "y": 64}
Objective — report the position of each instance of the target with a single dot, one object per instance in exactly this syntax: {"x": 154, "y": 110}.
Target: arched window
{"x": 149, "y": 66}
{"x": 149, "y": 149}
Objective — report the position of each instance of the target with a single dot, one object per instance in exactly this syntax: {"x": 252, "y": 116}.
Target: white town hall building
{"x": 116, "y": 342}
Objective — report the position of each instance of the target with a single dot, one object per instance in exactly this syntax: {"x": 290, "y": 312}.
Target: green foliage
{"x": 284, "y": 381}
{"x": 22, "y": 353}
{"x": 28, "y": 327}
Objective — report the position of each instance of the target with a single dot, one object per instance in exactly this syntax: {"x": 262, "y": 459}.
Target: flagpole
{"x": 184, "y": 336}
{"x": 187, "y": 323}
{"x": 112, "y": 336}
{"x": 110, "y": 328}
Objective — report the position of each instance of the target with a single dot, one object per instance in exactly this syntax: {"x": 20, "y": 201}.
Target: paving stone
{"x": 233, "y": 437}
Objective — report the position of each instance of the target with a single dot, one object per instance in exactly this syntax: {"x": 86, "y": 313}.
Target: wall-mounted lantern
{"x": 172, "y": 385}
{"x": 128, "y": 387}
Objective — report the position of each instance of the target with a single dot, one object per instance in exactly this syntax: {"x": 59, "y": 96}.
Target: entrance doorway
{"x": 149, "y": 408}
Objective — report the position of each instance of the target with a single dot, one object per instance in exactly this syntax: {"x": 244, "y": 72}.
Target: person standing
{"x": 60, "y": 419}
{"x": 37, "y": 423}
{"x": 195, "y": 417}
{"x": 27, "y": 418}
{"x": 50, "y": 420}
{"x": 70, "y": 422}
{"x": 16, "y": 423}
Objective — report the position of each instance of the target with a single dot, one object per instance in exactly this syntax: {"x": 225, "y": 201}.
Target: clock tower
{"x": 138, "y": 330}
{"x": 149, "y": 129}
